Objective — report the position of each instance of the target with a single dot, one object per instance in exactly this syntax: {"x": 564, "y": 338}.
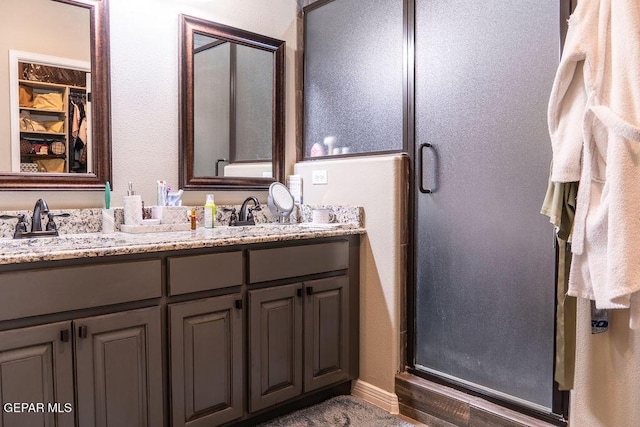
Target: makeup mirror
{"x": 232, "y": 107}
{"x": 55, "y": 86}
{"x": 280, "y": 202}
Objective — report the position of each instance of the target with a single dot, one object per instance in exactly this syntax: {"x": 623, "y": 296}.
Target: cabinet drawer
{"x": 52, "y": 290}
{"x": 204, "y": 272}
{"x": 294, "y": 261}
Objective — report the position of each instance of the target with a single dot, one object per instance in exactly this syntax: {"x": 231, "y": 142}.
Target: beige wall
{"x": 36, "y": 26}
{"x": 144, "y": 93}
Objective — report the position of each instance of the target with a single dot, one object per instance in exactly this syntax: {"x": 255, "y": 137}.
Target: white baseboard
{"x": 376, "y": 396}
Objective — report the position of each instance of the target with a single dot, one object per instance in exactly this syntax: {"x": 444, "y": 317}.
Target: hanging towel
{"x": 594, "y": 119}
{"x": 559, "y": 205}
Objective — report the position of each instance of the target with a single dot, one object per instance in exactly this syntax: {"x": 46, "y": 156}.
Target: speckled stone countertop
{"x": 89, "y": 243}
{"x": 72, "y": 246}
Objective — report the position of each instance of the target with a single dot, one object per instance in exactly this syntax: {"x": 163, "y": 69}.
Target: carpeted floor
{"x": 338, "y": 412}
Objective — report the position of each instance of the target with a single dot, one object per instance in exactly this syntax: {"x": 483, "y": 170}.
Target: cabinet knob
{"x": 309, "y": 290}
{"x": 82, "y": 331}
{"x": 64, "y": 335}
{"x": 239, "y": 304}
{"x": 299, "y": 292}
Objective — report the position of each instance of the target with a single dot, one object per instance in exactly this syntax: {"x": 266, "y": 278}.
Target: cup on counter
{"x": 157, "y": 212}
{"x": 108, "y": 221}
{"x": 322, "y": 216}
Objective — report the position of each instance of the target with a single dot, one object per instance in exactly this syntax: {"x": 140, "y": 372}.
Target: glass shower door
{"x": 484, "y": 255}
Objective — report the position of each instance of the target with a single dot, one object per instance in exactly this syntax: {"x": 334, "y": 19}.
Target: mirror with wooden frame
{"x": 55, "y": 116}
{"x": 231, "y": 107}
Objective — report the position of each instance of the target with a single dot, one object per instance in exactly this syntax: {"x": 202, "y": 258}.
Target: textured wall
{"x": 144, "y": 93}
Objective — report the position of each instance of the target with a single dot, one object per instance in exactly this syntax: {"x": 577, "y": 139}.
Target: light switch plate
{"x": 319, "y": 177}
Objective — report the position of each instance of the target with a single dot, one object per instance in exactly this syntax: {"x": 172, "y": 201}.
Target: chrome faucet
{"x": 245, "y": 216}
{"x": 39, "y": 209}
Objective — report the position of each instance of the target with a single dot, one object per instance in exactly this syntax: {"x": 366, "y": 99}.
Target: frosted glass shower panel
{"x": 353, "y": 77}
{"x": 485, "y": 264}
{"x": 254, "y": 96}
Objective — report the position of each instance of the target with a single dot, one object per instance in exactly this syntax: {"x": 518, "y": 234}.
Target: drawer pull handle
{"x": 239, "y": 304}
{"x": 64, "y": 335}
{"x": 82, "y": 331}
{"x": 309, "y": 290}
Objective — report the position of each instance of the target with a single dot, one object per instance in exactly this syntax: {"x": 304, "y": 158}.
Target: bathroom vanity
{"x": 177, "y": 329}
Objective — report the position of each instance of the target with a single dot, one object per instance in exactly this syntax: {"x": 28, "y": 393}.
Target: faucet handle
{"x": 21, "y": 225}
{"x": 19, "y": 216}
{"x": 234, "y": 217}
{"x": 51, "y": 225}
{"x": 250, "y": 217}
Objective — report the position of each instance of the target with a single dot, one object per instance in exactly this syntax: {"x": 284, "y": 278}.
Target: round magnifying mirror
{"x": 280, "y": 202}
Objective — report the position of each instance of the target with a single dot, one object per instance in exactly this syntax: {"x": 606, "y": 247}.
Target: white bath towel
{"x": 594, "y": 123}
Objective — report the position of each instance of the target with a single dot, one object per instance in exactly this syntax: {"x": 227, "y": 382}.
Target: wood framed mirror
{"x": 28, "y": 141}
{"x": 232, "y": 107}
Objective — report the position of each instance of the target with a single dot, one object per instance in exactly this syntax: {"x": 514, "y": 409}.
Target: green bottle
{"x": 209, "y": 212}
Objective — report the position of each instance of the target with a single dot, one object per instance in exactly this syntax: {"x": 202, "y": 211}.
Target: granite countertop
{"x": 71, "y": 246}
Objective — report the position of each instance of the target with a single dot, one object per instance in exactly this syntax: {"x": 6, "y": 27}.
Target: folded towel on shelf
{"x": 48, "y": 101}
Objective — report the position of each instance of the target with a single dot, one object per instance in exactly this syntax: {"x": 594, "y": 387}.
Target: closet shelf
{"x": 44, "y": 156}
{"x": 45, "y": 85}
{"x": 24, "y": 132}
{"x": 51, "y": 112}
{"x": 41, "y": 110}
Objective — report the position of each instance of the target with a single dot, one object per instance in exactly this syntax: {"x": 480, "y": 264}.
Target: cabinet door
{"x": 207, "y": 361}
{"x": 36, "y": 367}
{"x": 119, "y": 369}
{"x": 326, "y": 331}
{"x": 275, "y": 345}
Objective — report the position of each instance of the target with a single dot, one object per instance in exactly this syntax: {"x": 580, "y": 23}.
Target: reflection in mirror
{"x": 233, "y": 90}
{"x": 232, "y": 110}
{"x": 54, "y": 108}
{"x": 50, "y": 116}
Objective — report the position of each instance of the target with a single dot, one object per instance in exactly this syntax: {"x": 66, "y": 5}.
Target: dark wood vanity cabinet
{"x": 119, "y": 369}
{"x": 327, "y": 331}
{"x": 96, "y": 370}
{"x": 36, "y": 365}
{"x": 207, "y": 363}
{"x": 275, "y": 345}
{"x": 194, "y": 338}
{"x": 300, "y": 333}
{"x": 298, "y": 339}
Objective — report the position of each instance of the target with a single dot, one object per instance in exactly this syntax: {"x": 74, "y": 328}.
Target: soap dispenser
{"x": 209, "y": 212}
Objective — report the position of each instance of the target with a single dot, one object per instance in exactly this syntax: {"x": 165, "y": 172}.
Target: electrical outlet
{"x": 319, "y": 177}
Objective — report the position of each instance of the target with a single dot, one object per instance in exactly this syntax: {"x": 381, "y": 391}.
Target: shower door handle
{"x": 421, "y": 161}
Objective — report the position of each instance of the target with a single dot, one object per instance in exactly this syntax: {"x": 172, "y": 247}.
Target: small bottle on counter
{"x": 193, "y": 218}
{"x": 209, "y": 212}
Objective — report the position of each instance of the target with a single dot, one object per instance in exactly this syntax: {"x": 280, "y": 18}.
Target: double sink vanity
{"x": 181, "y": 328}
